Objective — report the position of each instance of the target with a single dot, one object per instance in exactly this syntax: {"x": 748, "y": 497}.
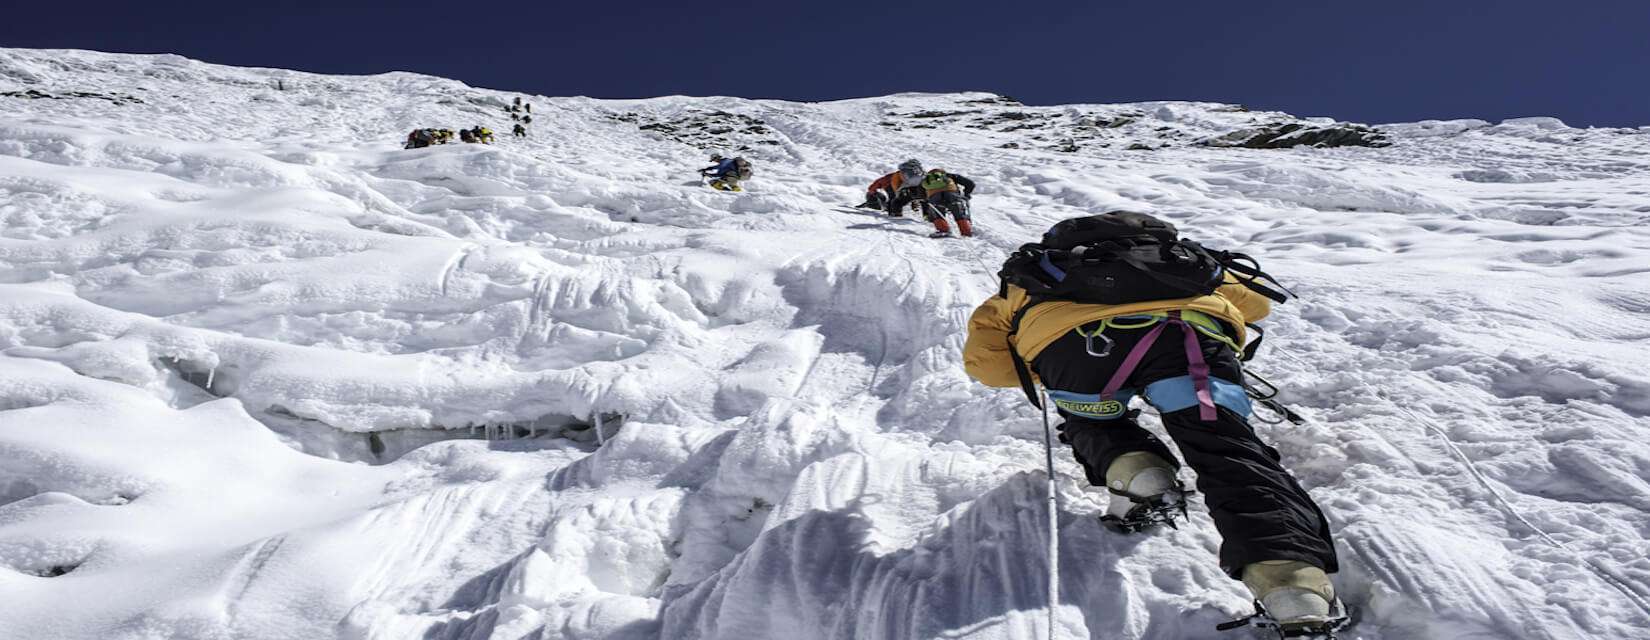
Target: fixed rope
{"x": 1501, "y": 501}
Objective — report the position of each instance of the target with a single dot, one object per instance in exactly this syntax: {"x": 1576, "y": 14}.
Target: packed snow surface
{"x": 265, "y": 374}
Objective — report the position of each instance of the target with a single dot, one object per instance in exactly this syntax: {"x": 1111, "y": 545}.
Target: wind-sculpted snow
{"x": 264, "y": 374}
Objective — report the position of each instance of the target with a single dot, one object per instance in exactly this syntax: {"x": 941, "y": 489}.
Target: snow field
{"x": 265, "y": 374}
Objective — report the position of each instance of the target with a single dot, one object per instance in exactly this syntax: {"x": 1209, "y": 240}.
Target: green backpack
{"x": 937, "y": 180}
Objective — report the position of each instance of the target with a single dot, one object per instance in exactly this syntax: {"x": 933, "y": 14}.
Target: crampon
{"x": 1323, "y": 629}
{"x": 1161, "y": 510}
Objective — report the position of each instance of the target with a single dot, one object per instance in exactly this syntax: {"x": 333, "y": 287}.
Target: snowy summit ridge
{"x": 265, "y": 374}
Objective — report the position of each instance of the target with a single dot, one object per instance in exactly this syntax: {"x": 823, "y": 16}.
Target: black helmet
{"x": 716, "y": 157}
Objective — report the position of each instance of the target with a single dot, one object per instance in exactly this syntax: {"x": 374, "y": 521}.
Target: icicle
{"x": 211, "y": 374}
{"x": 601, "y": 438}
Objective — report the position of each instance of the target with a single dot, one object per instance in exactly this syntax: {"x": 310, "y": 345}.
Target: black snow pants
{"x": 945, "y": 202}
{"x": 1261, "y": 512}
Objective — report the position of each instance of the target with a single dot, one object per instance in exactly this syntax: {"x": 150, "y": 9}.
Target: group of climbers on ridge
{"x": 521, "y": 113}
{"x": 420, "y": 138}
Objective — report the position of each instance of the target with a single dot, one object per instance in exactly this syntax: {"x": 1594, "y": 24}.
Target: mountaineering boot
{"x": 1144, "y": 493}
{"x": 941, "y": 229}
{"x": 1290, "y": 590}
{"x": 1141, "y": 474}
{"x": 1293, "y": 597}
{"x": 966, "y": 228}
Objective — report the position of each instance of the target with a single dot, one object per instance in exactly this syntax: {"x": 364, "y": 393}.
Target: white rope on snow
{"x": 1505, "y": 505}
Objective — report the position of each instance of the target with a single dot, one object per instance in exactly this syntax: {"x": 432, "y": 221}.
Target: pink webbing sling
{"x": 1197, "y": 366}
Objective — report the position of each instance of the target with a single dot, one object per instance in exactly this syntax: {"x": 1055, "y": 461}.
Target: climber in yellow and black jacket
{"x": 1181, "y": 355}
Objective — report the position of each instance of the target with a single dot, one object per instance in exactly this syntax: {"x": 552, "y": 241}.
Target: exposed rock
{"x": 1295, "y": 134}
{"x": 708, "y": 129}
{"x": 999, "y": 100}
{"x": 36, "y": 94}
{"x": 939, "y": 114}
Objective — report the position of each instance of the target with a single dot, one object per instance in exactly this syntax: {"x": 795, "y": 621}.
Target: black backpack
{"x": 1122, "y": 257}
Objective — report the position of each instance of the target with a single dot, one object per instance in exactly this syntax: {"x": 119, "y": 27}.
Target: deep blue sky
{"x": 1586, "y": 61}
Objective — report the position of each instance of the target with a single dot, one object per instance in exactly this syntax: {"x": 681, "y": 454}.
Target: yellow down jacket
{"x": 986, "y": 357}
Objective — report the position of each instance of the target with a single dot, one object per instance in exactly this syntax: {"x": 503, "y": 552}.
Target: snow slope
{"x": 264, "y": 374}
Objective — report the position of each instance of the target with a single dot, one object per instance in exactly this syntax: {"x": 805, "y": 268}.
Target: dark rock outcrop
{"x": 1298, "y": 134}
{"x": 35, "y": 94}
{"x": 707, "y": 129}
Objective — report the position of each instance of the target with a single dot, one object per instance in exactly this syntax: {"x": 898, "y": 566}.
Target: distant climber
{"x": 528, "y": 107}
{"x": 948, "y": 193}
{"x": 420, "y": 138}
{"x": 1111, "y": 306}
{"x": 519, "y": 131}
{"x": 443, "y": 136}
{"x": 483, "y": 135}
{"x": 465, "y": 135}
{"x": 527, "y": 119}
{"x": 727, "y": 173}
